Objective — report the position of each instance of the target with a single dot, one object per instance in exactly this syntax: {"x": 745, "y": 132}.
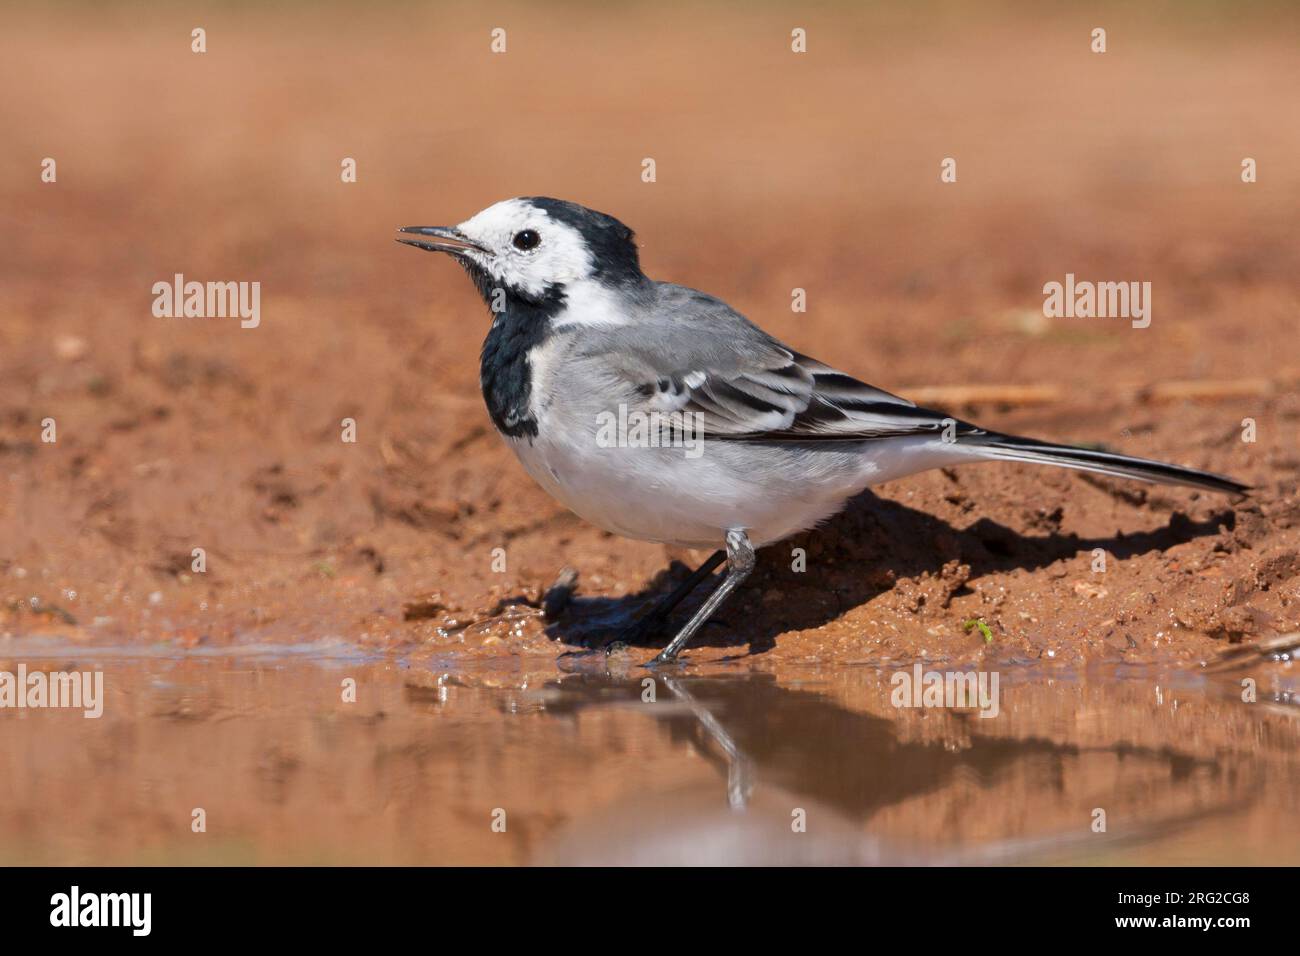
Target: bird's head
{"x": 535, "y": 248}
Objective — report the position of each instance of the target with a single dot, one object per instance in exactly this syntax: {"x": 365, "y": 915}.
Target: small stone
{"x": 70, "y": 348}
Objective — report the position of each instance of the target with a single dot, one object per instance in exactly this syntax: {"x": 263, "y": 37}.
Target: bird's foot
{"x": 660, "y": 660}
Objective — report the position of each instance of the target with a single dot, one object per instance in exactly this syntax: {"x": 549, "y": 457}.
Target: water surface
{"x": 538, "y": 761}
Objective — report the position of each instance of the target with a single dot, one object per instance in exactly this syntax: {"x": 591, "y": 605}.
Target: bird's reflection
{"x": 786, "y": 751}
{"x": 740, "y": 769}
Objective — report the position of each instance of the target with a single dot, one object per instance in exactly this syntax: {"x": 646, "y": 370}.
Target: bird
{"x": 723, "y": 436}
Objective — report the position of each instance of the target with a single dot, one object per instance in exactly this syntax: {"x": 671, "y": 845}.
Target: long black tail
{"x": 1011, "y": 448}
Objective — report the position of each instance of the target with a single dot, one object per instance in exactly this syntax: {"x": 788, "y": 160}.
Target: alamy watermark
{"x": 974, "y": 690}
{"x": 130, "y": 910}
{"x": 208, "y": 300}
{"x": 82, "y": 690}
{"x": 1101, "y": 300}
{"x": 633, "y": 428}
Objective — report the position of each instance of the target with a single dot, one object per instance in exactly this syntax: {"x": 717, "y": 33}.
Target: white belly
{"x": 661, "y": 494}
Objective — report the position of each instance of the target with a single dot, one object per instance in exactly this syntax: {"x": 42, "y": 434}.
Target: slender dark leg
{"x": 652, "y": 620}
{"x": 740, "y": 561}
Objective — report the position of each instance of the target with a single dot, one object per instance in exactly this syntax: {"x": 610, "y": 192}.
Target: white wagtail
{"x": 580, "y": 334}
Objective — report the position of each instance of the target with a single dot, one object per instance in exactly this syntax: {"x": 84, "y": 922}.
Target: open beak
{"x": 442, "y": 239}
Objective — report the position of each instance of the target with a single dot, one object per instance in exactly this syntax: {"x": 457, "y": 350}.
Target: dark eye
{"x": 528, "y": 239}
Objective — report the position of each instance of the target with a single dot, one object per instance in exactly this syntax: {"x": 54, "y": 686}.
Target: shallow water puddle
{"x": 529, "y": 764}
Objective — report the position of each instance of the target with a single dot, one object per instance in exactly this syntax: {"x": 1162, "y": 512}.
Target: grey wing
{"x": 695, "y": 354}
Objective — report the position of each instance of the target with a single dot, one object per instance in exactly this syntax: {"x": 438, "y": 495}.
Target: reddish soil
{"x": 775, "y": 171}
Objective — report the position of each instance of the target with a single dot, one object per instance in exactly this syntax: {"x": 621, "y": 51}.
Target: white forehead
{"x": 562, "y": 255}
{"x": 507, "y": 216}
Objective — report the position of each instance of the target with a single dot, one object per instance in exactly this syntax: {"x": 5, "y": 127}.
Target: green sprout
{"x": 984, "y": 628}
